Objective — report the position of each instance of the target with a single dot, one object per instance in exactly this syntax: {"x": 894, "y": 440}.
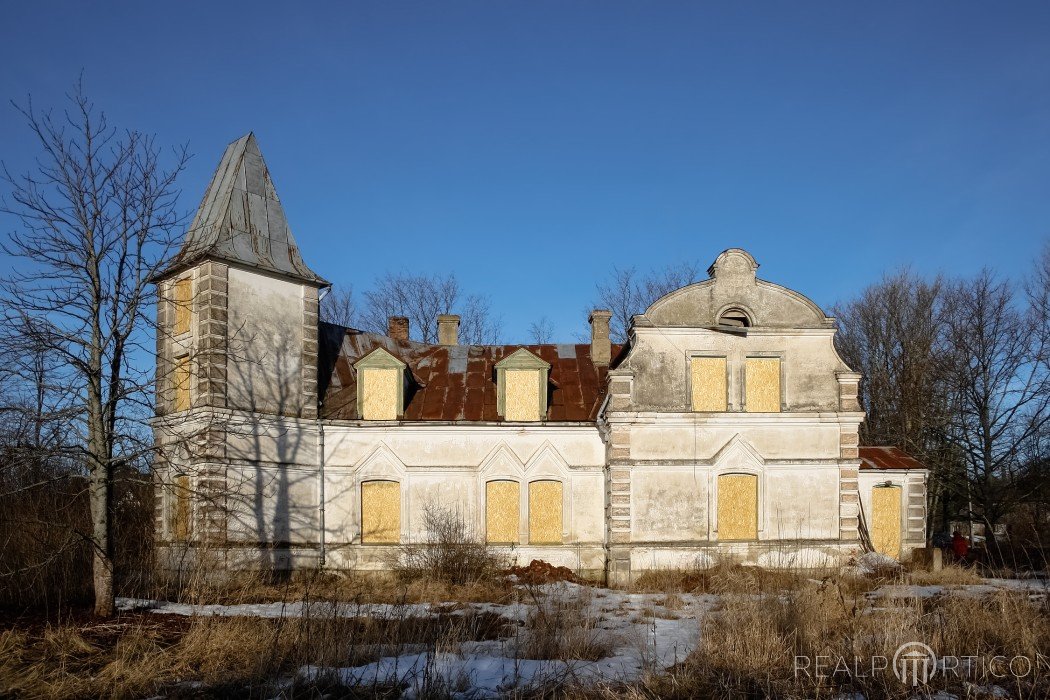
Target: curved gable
{"x": 733, "y": 285}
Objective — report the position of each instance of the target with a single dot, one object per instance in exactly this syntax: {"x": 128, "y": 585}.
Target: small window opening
{"x": 735, "y": 319}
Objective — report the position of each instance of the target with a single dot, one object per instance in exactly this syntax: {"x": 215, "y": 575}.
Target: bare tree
{"x": 97, "y": 218}
{"x": 541, "y": 331}
{"x": 338, "y": 307}
{"x": 421, "y": 298}
{"x": 892, "y": 333}
{"x": 627, "y": 292}
{"x": 998, "y": 388}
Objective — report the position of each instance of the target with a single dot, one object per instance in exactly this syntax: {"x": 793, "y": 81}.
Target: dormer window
{"x": 380, "y": 386}
{"x": 521, "y": 387}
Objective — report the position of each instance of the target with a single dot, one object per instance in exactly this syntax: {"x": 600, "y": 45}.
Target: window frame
{"x": 762, "y": 355}
{"x": 522, "y": 359}
{"x": 380, "y": 359}
{"x": 728, "y": 379}
{"x": 400, "y": 511}
{"x": 759, "y": 499}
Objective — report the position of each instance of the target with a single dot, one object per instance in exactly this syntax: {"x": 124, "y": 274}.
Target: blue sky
{"x": 531, "y": 146}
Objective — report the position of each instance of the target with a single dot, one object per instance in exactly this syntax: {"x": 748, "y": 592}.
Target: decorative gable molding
{"x": 501, "y": 463}
{"x": 381, "y": 463}
{"x": 547, "y": 463}
{"x": 738, "y": 455}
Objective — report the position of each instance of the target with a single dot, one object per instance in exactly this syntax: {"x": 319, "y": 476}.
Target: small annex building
{"x": 725, "y": 427}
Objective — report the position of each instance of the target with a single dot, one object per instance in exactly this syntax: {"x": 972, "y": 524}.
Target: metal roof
{"x": 458, "y": 382}
{"x": 886, "y": 458}
{"x": 241, "y": 220}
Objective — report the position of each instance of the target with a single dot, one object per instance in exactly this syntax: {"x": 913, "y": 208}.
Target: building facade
{"x": 725, "y": 428}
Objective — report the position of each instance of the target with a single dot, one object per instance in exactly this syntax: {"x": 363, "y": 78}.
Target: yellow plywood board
{"x": 738, "y": 507}
{"x": 709, "y": 383}
{"x": 886, "y": 520}
{"x": 545, "y": 509}
{"x": 180, "y": 515}
{"x": 763, "y": 384}
{"x": 380, "y": 512}
{"x": 522, "y": 395}
{"x": 502, "y": 508}
{"x": 183, "y": 300}
{"x": 379, "y": 401}
{"x": 182, "y": 383}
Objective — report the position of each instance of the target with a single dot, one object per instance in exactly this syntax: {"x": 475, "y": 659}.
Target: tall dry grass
{"x": 44, "y": 553}
{"x": 769, "y": 645}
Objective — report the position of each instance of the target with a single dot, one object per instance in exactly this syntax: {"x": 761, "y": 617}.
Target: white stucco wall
{"x": 265, "y": 329}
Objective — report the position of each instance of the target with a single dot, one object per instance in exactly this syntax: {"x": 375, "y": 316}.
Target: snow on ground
{"x": 643, "y": 631}
{"x": 646, "y": 632}
{"x": 1035, "y": 588}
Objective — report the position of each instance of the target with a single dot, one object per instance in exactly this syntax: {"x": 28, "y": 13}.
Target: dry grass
{"x": 564, "y": 626}
{"x": 727, "y": 577}
{"x": 951, "y": 575}
{"x": 141, "y": 655}
{"x": 749, "y": 647}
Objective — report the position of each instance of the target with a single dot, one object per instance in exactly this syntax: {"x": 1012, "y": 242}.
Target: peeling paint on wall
{"x": 380, "y": 394}
{"x": 709, "y": 383}
{"x": 502, "y": 506}
{"x": 737, "y": 507}
{"x": 763, "y": 384}
{"x": 380, "y": 512}
{"x": 522, "y": 395}
{"x": 886, "y": 520}
{"x": 545, "y": 509}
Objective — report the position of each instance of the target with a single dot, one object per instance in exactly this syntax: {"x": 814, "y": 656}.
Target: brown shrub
{"x": 452, "y": 554}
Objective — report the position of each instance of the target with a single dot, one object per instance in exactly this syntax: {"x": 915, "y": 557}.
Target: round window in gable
{"x": 735, "y": 318}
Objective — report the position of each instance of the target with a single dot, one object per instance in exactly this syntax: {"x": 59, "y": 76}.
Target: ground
{"x": 731, "y": 632}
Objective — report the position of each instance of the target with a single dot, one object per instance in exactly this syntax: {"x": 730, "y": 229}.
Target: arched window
{"x": 545, "y": 510}
{"x": 737, "y": 507}
{"x": 502, "y": 512}
{"x": 886, "y": 520}
{"x": 380, "y": 512}
{"x": 734, "y": 318}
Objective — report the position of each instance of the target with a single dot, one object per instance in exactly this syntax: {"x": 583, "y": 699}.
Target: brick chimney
{"x": 601, "y": 346}
{"x": 448, "y": 329}
{"x": 397, "y": 327}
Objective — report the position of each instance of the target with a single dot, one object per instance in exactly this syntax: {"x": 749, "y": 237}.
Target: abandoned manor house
{"x": 726, "y": 427}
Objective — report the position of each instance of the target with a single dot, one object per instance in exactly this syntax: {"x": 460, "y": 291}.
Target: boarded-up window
{"x": 380, "y": 394}
{"x": 502, "y": 508}
{"x": 181, "y": 383}
{"x": 180, "y": 509}
{"x": 183, "y": 300}
{"x": 737, "y": 507}
{"x": 522, "y": 395}
{"x": 763, "y": 385}
{"x": 380, "y": 512}
{"x": 886, "y": 520}
{"x": 545, "y": 509}
{"x": 709, "y": 383}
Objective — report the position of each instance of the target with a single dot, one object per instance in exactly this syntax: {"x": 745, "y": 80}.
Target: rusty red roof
{"x": 458, "y": 382}
{"x": 884, "y": 458}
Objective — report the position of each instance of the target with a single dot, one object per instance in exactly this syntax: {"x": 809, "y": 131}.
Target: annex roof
{"x": 887, "y": 458}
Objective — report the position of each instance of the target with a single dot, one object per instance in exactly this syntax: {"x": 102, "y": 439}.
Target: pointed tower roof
{"x": 241, "y": 220}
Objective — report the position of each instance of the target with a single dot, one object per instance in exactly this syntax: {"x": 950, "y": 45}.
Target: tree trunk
{"x": 102, "y": 558}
